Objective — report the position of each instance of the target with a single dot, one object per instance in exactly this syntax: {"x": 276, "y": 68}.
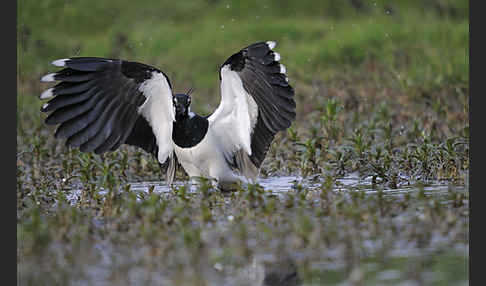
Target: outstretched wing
{"x": 256, "y": 103}
{"x": 101, "y": 103}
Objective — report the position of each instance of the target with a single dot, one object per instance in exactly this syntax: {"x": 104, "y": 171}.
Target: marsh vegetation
{"x": 369, "y": 186}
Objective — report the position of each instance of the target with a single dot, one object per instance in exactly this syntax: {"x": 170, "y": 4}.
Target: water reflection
{"x": 281, "y": 185}
{"x": 266, "y": 270}
{"x": 282, "y": 272}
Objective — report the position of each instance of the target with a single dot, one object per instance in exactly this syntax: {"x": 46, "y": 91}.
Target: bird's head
{"x": 182, "y": 104}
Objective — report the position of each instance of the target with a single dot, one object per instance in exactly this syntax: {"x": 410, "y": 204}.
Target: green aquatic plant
{"x": 329, "y": 118}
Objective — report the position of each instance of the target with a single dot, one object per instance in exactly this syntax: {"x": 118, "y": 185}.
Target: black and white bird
{"x": 102, "y": 103}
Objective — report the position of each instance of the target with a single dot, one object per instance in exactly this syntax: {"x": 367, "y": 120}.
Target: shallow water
{"x": 262, "y": 265}
{"x": 282, "y": 185}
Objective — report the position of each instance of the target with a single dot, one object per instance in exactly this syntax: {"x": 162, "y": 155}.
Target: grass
{"x": 309, "y": 41}
{"x": 382, "y": 93}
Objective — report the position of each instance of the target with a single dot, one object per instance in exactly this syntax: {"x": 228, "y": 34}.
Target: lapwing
{"x": 100, "y": 104}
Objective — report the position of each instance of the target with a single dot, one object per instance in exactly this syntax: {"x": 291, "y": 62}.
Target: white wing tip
{"x": 60, "y": 62}
{"x": 271, "y": 44}
{"x": 47, "y": 93}
{"x": 48, "y": 77}
{"x": 276, "y": 56}
{"x": 283, "y": 69}
{"x": 45, "y": 105}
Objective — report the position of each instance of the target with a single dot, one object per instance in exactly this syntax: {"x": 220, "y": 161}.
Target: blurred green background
{"x": 424, "y": 43}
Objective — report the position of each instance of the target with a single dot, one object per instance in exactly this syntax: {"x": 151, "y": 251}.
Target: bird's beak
{"x": 180, "y": 111}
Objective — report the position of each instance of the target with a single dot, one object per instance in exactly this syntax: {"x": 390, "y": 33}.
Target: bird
{"x": 101, "y": 103}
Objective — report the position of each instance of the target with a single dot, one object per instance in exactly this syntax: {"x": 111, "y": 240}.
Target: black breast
{"x": 189, "y": 132}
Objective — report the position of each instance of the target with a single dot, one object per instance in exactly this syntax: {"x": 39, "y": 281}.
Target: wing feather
{"x": 257, "y": 101}
{"x": 101, "y": 103}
